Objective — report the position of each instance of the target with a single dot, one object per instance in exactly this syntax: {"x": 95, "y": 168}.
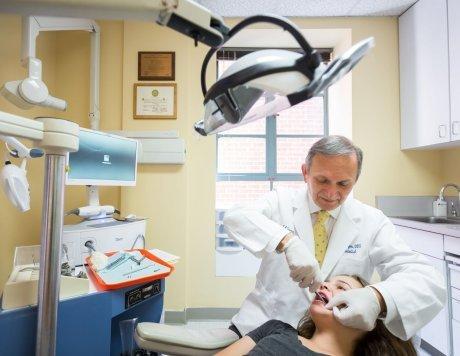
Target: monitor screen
{"x": 102, "y": 159}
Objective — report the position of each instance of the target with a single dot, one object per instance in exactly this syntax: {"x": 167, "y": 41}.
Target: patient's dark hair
{"x": 377, "y": 342}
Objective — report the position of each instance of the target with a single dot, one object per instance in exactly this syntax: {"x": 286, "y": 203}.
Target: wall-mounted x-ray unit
{"x": 157, "y": 147}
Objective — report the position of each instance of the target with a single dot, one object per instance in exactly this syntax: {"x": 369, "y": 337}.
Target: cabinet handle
{"x": 442, "y": 131}
{"x": 455, "y": 127}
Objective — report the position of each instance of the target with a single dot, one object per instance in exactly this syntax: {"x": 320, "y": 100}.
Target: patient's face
{"x": 326, "y": 291}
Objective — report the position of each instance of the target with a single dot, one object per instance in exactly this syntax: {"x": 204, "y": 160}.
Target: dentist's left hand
{"x": 359, "y": 308}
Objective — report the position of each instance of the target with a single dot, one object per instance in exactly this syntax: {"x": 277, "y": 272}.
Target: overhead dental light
{"x": 266, "y": 82}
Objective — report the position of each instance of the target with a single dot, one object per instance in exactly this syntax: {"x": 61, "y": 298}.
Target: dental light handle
{"x": 282, "y": 22}
{"x": 55, "y": 103}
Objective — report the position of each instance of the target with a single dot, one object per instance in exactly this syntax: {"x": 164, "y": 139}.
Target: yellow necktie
{"x": 320, "y": 233}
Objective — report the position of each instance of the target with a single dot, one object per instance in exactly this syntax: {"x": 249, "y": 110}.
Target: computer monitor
{"x": 102, "y": 159}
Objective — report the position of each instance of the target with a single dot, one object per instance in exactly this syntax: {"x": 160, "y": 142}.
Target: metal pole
{"x": 50, "y": 254}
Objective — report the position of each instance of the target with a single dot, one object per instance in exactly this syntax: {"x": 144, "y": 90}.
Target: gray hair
{"x": 335, "y": 146}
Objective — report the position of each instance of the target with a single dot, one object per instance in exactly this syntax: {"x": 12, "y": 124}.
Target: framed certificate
{"x": 156, "y": 66}
{"x": 155, "y": 101}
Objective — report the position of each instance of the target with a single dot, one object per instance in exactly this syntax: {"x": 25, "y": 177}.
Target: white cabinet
{"x": 424, "y": 75}
{"x": 430, "y": 245}
{"x": 454, "y": 61}
{"x": 436, "y": 332}
{"x": 456, "y": 340}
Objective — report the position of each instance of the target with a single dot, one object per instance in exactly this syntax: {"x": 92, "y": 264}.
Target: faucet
{"x": 441, "y": 196}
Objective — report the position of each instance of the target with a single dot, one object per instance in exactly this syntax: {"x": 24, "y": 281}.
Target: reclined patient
{"x": 319, "y": 333}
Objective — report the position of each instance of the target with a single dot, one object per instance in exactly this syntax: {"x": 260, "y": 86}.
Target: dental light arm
{"x": 184, "y": 16}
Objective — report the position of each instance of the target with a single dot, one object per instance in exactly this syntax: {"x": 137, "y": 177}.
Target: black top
{"x": 278, "y": 338}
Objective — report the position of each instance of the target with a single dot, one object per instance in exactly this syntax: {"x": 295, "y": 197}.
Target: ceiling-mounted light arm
{"x": 185, "y": 16}
{"x": 284, "y": 23}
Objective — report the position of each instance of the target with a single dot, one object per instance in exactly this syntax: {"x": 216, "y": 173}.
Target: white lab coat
{"x": 362, "y": 239}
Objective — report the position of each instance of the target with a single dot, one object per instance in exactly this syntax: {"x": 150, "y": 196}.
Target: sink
{"x": 431, "y": 219}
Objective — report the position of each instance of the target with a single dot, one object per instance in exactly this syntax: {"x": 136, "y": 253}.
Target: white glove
{"x": 361, "y": 311}
{"x": 303, "y": 265}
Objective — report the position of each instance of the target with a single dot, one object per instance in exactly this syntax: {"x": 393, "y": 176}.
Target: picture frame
{"x": 155, "y": 101}
{"x": 156, "y": 66}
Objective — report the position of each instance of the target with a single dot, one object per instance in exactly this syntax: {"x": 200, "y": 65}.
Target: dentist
{"x": 306, "y": 236}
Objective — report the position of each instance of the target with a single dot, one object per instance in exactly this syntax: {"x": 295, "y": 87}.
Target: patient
{"x": 319, "y": 333}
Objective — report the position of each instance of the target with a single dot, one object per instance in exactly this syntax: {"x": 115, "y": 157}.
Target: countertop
{"x": 443, "y": 229}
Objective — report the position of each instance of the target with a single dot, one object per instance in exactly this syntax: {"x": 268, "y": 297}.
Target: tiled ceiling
{"x": 308, "y": 8}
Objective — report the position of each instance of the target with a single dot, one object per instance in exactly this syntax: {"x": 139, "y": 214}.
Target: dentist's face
{"x": 330, "y": 179}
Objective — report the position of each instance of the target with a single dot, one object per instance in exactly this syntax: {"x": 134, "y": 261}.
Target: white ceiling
{"x": 308, "y": 8}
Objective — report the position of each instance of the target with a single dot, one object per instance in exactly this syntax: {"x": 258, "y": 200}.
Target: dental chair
{"x": 182, "y": 340}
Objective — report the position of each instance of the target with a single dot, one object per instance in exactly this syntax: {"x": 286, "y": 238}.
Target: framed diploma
{"x": 155, "y": 101}
{"x": 156, "y": 66}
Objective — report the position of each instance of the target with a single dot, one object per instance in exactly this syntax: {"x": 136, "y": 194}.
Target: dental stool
{"x": 182, "y": 340}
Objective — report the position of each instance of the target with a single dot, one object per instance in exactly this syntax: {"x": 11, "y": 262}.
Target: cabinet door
{"x": 436, "y": 332}
{"x": 424, "y": 242}
{"x": 424, "y": 74}
{"x": 454, "y": 58}
{"x": 456, "y": 340}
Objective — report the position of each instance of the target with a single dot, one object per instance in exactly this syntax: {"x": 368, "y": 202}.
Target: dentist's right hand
{"x": 303, "y": 265}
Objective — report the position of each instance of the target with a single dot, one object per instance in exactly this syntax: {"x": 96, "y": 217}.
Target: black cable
{"x": 274, "y": 19}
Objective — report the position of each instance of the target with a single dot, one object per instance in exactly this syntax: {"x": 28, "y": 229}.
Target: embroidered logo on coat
{"x": 352, "y": 248}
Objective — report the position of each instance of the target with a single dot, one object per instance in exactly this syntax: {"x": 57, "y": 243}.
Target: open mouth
{"x": 322, "y": 297}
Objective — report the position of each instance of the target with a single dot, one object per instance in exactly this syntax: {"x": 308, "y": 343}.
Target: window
{"x": 255, "y": 158}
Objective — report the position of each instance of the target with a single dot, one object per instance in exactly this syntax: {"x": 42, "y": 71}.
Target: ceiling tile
{"x": 303, "y": 8}
{"x": 308, "y": 8}
{"x": 381, "y": 7}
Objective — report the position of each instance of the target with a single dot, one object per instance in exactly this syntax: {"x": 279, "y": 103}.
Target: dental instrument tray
{"x": 129, "y": 268}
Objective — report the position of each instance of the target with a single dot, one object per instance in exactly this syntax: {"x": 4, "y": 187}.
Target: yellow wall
{"x": 450, "y": 167}
{"x": 65, "y": 58}
{"x": 179, "y": 200}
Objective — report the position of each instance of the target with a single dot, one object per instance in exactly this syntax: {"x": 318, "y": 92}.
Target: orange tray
{"x": 135, "y": 281}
